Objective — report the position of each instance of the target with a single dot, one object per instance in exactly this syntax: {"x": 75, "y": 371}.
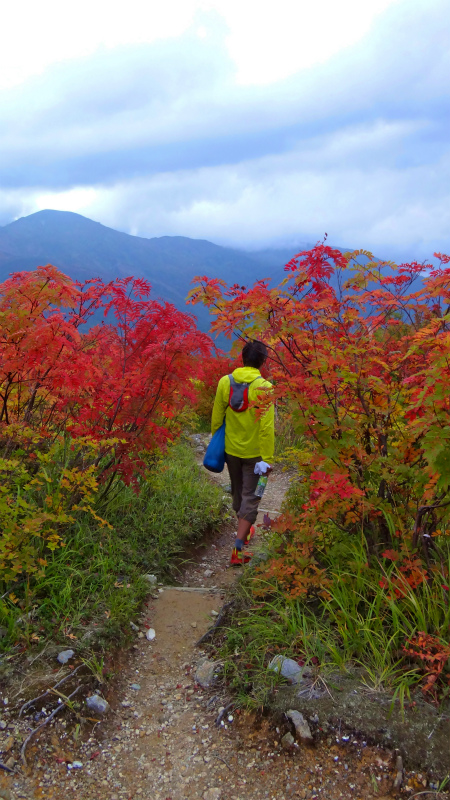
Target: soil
{"x": 166, "y": 738}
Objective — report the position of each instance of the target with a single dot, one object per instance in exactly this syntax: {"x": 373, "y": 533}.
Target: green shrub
{"x": 93, "y": 585}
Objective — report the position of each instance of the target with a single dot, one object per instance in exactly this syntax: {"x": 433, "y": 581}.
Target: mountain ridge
{"x": 84, "y": 248}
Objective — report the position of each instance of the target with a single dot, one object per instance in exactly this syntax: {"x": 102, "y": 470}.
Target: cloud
{"x": 161, "y": 138}
{"x": 285, "y": 199}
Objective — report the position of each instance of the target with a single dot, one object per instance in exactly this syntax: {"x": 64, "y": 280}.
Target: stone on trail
{"x": 302, "y": 728}
{"x": 97, "y": 704}
{"x": 288, "y": 741}
{"x": 151, "y": 634}
{"x": 151, "y": 579}
{"x": 212, "y": 794}
{"x": 65, "y": 655}
{"x": 286, "y": 667}
{"x": 205, "y": 673}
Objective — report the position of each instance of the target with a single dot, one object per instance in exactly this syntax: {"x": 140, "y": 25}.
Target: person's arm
{"x": 267, "y": 435}
{"x": 220, "y": 405}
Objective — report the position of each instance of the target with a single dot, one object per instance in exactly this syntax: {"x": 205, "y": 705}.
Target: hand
{"x": 262, "y": 468}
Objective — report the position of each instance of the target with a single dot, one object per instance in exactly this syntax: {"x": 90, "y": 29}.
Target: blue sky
{"x": 225, "y": 121}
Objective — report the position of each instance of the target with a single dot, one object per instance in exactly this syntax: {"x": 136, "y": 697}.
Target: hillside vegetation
{"x": 87, "y": 502}
{"x": 356, "y": 572}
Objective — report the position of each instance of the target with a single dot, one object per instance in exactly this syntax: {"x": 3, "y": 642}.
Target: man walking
{"x": 249, "y": 440}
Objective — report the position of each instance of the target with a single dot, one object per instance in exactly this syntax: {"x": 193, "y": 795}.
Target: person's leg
{"x": 248, "y": 510}
{"x": 243, "y": 529}
{"x": 234, "y": 465}
{"x": 249, "y": 505}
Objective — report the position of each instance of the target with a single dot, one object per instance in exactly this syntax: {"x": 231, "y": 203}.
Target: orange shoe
{"x": 250, "y": 535}
{"x": 239, "y": 558}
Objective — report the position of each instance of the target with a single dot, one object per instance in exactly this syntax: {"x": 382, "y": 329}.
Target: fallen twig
{"x": 223, "y": 611}
{"x": 212, "y": 701}
{"x": 48, "y": 691}
{"x": 222, "y": 713}
{"x": 214, "y": 755}
{"x": 43, "y": 724}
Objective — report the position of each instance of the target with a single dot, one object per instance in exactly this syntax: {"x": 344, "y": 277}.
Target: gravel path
{"x": 160, "y": 741}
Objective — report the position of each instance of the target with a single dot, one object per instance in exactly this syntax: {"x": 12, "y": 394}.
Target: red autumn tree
{"x": 125, "y": 378}
{"x": 362, "y": 351}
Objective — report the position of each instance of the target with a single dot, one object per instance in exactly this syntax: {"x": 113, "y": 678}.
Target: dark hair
{"x": 254, "y": 354}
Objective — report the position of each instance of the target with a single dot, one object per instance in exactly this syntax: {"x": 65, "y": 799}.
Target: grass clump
{"x": 365, "y": 618}
{"x": 94, "y": 585}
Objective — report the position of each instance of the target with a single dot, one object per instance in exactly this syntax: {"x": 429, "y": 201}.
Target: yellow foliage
{"x": 39, "y": 495}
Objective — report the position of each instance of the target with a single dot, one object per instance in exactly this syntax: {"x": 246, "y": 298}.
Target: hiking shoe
{"x": 239, "y": 558}
{"x": 250, "y": 535}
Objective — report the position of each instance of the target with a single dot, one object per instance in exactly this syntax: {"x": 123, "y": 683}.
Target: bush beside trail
{"x": 356, "y": 571}
{"x": 93, "y": 586}
{"x": 96, "y": 383}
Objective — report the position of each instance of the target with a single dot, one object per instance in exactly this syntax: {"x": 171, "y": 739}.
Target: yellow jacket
{"x": 245, "y": 435}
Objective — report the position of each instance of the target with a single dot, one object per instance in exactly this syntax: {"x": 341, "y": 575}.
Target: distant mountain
{"x": 85, "y": 249}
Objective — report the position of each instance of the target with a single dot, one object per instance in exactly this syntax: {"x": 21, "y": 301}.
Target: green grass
{"x": 358, "y": 628}
{"x": 93, "y": 586}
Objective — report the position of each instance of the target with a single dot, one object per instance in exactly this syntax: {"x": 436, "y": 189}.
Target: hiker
{"x": 249, "y": 441}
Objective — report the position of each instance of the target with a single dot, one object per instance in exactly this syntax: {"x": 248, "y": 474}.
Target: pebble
{"x": 302, "y": 728}
{"x": 205, "y": 673}
{"x": 136, "y": 686}
{"x": 65, "y": 655}
{"x": 151, "y": 634}
{"x": 208, "y": 572}
{"x": 3, "y": 725}
{"x": 212, "y": 794}
{"x": 286, "y": 667}
{"x": 193, "y": 624}
{"x": 288, "y": 741}
{"x": 151, "y": 579}
{"x": 97, "y": 704}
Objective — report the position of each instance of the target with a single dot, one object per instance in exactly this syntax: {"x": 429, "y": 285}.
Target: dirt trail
{"x": 160, "y": 740}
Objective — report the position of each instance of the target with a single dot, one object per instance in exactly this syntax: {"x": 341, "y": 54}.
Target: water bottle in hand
{"x": 261, "y": 485}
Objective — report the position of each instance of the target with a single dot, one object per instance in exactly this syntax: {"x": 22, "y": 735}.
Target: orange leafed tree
{"x": 362, "y": 351}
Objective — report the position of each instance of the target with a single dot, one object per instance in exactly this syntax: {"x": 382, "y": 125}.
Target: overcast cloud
{"x": 173, "y": 136}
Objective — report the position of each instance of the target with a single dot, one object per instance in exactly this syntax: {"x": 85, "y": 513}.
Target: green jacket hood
{"x": 245, "y": 374}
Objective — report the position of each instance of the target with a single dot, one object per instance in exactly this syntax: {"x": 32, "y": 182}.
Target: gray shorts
{"x": 243, "y": 485}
